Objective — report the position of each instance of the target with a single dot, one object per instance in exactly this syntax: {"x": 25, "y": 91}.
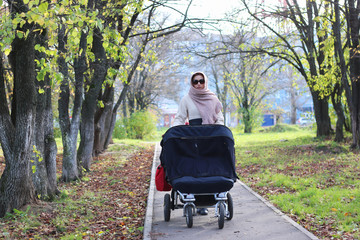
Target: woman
{"x": 200, "y": 105}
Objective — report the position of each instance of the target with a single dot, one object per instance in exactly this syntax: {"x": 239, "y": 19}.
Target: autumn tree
{"x": 155, "y": 76}
{"x": 148, "y": 29}
{"x": 44, "y": 148}
{"x": 71, "y": 37}
{"x": 16, "y": 125}
{"x": 248, "y": 75}
{"x": 98, "y": 68}
{"x": 310, "y": 35}
{"x": 352, "y": 35}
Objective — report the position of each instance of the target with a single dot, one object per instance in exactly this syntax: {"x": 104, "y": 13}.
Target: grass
{"x": 315, "y": 182}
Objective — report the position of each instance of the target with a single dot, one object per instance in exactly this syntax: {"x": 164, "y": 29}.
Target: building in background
{"x": 168, "y": 109}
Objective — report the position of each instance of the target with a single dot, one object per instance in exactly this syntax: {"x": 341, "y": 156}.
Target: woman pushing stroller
{"x": 199, "y": 106}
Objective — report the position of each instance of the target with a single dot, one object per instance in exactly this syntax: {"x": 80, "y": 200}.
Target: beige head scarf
{"x": 206, "y": 101}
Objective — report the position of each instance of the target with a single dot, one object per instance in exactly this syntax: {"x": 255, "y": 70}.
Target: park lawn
{"x": 314, "y": 182}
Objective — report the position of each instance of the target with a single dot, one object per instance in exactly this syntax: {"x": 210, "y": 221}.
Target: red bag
{"x": 160, "y": 181}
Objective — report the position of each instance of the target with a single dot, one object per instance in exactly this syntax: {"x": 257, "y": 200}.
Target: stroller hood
{"x": 198, "y": 151}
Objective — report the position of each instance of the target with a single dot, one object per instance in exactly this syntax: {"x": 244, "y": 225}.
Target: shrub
{"x": 283, "y": 128}
{"x": 119, "y": 130}
{"x": 140, "y": 125}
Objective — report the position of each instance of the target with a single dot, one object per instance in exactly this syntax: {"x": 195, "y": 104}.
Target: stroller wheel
{"x": 230, "y": 213}
{"x": 167, "y": 206}
{"x": 221, "y": 217}
{"x": 189, "y": 216}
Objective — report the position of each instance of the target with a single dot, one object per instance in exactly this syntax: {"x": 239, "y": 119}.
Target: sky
{"x": 217, "y": 8}
{"x": 200, "y": 8}
{"x": 213, "y": 8}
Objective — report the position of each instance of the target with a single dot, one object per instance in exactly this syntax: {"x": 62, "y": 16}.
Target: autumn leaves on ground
{"x": 109, "y": 203}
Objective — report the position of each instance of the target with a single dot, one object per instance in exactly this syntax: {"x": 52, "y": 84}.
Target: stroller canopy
{"x": 198, "y": 151}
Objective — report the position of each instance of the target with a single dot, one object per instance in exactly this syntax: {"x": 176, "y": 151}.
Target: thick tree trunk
{"x": 38, "y": 166}
{"x": 16, "y": 187}
{"x": 44, "y": 164}
{"x": 99, "y": 67}
{"x": 321, "y": 110}
{"x": 50, "y": 150}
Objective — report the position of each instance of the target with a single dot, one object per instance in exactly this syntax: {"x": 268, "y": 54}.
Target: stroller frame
{"x": 223, "y": 206}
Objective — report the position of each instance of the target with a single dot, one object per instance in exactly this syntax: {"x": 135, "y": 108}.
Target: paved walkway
{"x": 254, "y": 218}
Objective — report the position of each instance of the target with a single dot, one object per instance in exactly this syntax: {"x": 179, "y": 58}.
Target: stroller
{"x": 199, "y": 163}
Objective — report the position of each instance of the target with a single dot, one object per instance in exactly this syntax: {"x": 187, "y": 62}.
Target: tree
{"x": 154, "y": 77}
{"x": 312, "y": 36}
{"x": 250, "y": 86}
{"x": 353, "y": 10}
{"x": 45, "y": 149}
{"x": 218, "y": 72}
{"x": 16, "y": 126}
{"x": 247, "y": 74}
{"x": 69, "y": 126}
{"x": 91, "y": 118}
{"x": 99, "y": 69}
{"x": 343, "y": 84}
{"x": 148, "y": 32}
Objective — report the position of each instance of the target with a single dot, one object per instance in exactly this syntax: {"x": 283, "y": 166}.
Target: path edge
{"x": 150, "y": 200}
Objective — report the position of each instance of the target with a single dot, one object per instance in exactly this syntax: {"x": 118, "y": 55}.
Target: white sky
{"x": 212, "y": 8}
{"x": 217, "y": 8}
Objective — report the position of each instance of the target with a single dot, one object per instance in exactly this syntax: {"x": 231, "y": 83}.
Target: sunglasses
{"x": 201, "y": 81}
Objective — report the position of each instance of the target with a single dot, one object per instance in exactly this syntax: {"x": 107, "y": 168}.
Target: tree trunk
{"x": 336, "y": 101}
{"x": 99, "y": 67}
{"x": 246, "y": 107}
{"x": 342, "y": 63}
{"x": 356, "y": 113}
{"x": 113, "y": 114}
{"x": 16, "y": 187}
{"x": 50, "y": 150}
{"x": 44, "y": 164}
{"x": 103, "y": 120}
{"x": 353, "y": 26}
{"x": 121, "y": 98}
{"x": 70, "y": 128}
{"x": 293, "y": 105}
{"x": 246, "y": 113}
{"x": 321, "y": 110}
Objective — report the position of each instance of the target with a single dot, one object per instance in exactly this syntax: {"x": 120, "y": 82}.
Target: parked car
{"x": 305, "y": 121}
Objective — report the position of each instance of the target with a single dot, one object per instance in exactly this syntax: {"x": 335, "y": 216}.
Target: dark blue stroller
{"x": 199, "y": 162}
